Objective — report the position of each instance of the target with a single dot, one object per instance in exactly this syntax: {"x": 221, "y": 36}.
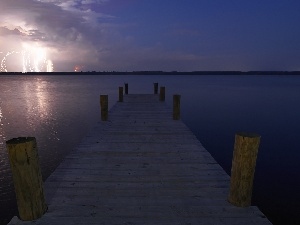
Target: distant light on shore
{"x": 78, "y": 68}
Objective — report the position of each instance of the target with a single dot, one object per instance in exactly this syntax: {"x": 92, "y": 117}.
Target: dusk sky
{"x": 127, "y": 35}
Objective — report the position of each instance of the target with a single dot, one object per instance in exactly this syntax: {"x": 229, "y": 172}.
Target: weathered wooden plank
{"x": 154, "y": 171}
{"x": 174, "y": 220}
{"x": 99, "y": 167}
{"x": 145, "y": 211}
{"x": 211, "y": 185}
{"x": 157, "y": 147}
{"x": 141, "y": 167}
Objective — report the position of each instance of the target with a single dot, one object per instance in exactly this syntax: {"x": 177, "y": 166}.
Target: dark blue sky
{"x": 181, "y": 35}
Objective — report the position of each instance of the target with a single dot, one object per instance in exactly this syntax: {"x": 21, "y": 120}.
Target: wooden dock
{"x": 141, "y": 167}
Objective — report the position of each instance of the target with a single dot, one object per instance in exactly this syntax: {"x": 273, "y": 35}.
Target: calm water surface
{"x": 60, "y": 110}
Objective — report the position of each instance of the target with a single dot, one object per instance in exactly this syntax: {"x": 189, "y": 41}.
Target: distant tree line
{"x": 158, "y": 73}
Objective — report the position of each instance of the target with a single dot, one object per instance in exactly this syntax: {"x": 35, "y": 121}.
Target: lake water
{"x": 60, "y": 110}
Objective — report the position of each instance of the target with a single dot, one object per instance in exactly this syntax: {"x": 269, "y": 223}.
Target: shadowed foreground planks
{"x": 141, "y": 167}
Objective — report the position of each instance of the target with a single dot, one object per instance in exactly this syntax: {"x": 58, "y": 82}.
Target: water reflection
{"x": 1, "y": 124}
{"x": 39, "y": 108}
{"x": 1, "y": 129}
{"x": 2, "y": 134}
{"x": 1, "y": 116}
{"x": 36, "y": 99}
{"x": 7, "y": 196}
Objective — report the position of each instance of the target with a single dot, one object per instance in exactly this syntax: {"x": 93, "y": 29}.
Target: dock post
{"x": 27, "y": 177}
{"x": 162, "y": 94}
{"x": 104, "y": 107}
{"x": 120, "y": 94}
{"x": 243, "y": 168}
{"x": 176, "y": 107}
{"x": 155, "y": 88}
{"x": 126, "y": 88}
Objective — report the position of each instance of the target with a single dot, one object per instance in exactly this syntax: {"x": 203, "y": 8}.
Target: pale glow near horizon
{"x": 31, "y": 58}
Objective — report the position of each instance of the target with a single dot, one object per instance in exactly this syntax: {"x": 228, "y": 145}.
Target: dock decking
{"x": 141, "y": 167}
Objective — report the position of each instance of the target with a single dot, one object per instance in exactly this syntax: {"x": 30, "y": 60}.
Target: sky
{"x": 131, "y": 35}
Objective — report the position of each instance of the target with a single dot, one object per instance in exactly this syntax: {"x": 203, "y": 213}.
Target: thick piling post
{"x": 243, "y": 168}
{"x": 176, "y": 107}
{"x": 120, "y": 94}
{"x": 27, "y": 177}
{"x": 155, "y": 88}
{"x": 126, "y": 88}
{"x": 104, "y": 107}
{"x": 162, "y": 94}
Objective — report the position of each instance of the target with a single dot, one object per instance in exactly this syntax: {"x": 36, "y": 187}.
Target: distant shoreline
{"x": 158, "y": 73}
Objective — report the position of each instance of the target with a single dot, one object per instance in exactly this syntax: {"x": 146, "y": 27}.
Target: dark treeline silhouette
{"x": 158, "y": 73}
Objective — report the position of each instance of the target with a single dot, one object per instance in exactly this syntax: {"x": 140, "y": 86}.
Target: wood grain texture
{"x": 243, "y": 168}
{"x": 155, "y": 86}
{"x": 104, "y": 107}
{"x": 27, "y": 177}
{"x": 120, "y": 94}
{"x": 176, "y": 107}
{"x": 162, "y": 94}
{"x": 126, "y": 88}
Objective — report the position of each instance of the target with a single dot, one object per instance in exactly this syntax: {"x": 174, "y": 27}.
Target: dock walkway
{"x": 141, "y": 167}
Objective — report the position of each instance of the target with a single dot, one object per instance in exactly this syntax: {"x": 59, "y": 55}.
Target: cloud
{"x": 74, "y": 34}
{"x": 4, "y": 31}
{"x": 61, "y": 26}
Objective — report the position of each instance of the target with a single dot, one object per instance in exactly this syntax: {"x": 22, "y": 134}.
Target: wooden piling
{"x": 176, "y": 107}
{"x": 162, "y": 94}
{"x": 104, "y": 107}
{"x": 243, "y": 168}
{"x": 155, "y": 88}
{"x": 27, "y": 177}
{"x": 126, "y": 88}
{"x": 121, "y": 94}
